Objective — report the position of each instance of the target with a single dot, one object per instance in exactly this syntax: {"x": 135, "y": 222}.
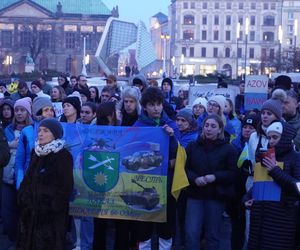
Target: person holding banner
{"x": 154, "y": 116}
{"x": 273, "y": 200}
{"x": 44, "y": 194}
{"x": 211, "y": 171}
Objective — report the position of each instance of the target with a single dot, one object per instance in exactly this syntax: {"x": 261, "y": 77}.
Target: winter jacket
{"x": 295, "y": 122}
{"x": 43, "y": 200}
{"x": 273, "y": 224}
{"x": 211, "y": 157}
{"x": 4, "y": 150}
{"x": 235, "y": 123}
{"x": 186, "y": 138}
{"x": 25, "y": 146}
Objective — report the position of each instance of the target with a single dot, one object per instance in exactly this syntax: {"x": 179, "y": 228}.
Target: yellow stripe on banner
{"x": 261, "y": 173}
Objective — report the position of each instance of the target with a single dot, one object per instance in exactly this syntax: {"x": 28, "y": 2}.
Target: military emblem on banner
{"x": 101, "y": 170}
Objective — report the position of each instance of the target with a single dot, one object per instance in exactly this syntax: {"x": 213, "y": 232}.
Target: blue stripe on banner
{"x": 266, "y": 191}
{"x": 254, "y": 100}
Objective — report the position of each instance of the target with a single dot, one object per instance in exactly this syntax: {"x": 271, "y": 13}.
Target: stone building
{"x": 52, "y": 32}
{"x": 209, "y": 36}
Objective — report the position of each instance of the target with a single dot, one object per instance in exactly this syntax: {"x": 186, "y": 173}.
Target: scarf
{"x": 53, "y": 146}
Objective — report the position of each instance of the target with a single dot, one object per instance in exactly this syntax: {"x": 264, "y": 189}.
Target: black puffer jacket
{"x": 43, "y": 199}
{"x": 211, "y": 157}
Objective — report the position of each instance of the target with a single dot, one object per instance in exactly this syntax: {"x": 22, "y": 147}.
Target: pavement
{"x": 5, "y": 244}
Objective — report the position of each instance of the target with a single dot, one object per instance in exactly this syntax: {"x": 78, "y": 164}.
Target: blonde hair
{"x": 220, "y": 122}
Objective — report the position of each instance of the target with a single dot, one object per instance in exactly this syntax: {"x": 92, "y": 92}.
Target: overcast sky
{"x": 135, "y": 10}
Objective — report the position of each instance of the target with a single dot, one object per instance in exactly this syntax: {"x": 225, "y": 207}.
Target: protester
{"x": 154, "y": 116}
{"x": 167, "y": 86}
{"x": 81, "y": 83}
{"x": 22, "y": 92}
{"x": 65, "y": 84}
{"x": 106, "y": 93}
{"x": 6, "y": 112}
{"x": 94, "y": 94}
{"x": 73, "y": 81}
{"x": 44, "y": 194}
{"x": 106, "y": 114}
{"x": 199, "y": 107}
{"x": 46, "y": 88}
{"x": 232, "y": 119}
{"x": 88, "y": 113}
{"x": 211, "y": 170}
{"x": 140, "y": 82}
{"x": 240, "y": 101}
{"x": 22, "y": 118}
{"x": 71, "y": 109}
{"x": 36, "y": 88}
{"x": 57, "y": 94}
{"x": 111, "y": 81}
{"x": 85, "y": 95}
{"x": 273, "y": 223}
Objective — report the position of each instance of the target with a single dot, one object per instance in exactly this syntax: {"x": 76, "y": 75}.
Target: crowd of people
{"x": 37, "y": 179}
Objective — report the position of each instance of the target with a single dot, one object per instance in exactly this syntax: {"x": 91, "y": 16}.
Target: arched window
{"x": 268, "y": 36}
{"x": 188, "y": 34}
{"x": 269, "y": 20}
{"x": 188, "y": 19}
{"x": 227, "y": 52}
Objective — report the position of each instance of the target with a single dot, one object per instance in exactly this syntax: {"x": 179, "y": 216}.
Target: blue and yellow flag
{"x": 243, "y": 156}
{"x": 180, "y": 179}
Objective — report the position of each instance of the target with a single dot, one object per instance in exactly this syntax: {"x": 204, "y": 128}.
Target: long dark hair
{"x": 104, "y": 110}
{"x": 96, "y": 100}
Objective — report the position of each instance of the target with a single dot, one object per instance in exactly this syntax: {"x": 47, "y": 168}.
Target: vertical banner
{"x": 58, "y": 109}
{"x": 119, "y": 172}
{"x": 256, "y": 91}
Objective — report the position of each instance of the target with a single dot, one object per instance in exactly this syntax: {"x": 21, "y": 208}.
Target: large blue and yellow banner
{"x": 119, "y": 172}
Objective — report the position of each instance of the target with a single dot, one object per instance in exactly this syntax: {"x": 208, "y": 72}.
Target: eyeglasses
{"x": 213, "y": 104}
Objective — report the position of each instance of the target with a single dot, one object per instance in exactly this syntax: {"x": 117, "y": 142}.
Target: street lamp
{"x": 246, "y": 42}
{"x": 238, "y": 27}
{"x": 280, "y": 36}
{"x": 295, "y": 41}
{"x": 164, "y": 37}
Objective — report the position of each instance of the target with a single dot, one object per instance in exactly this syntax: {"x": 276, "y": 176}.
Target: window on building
{"x": 253, "y": 6}
{"x": 273, "y": 6}
{"x": 227, "y": 52}
{"x": 88, "y": 40}
{"x": 6, "y": 38}
{"x": 263, "y": 54}
{"x": 44, "y": 39}
{"x": 266, "y": 6}
{"x": 204, "y": 5}
{"x": 252, "y": 20}
{"x": 69, "y": 62}
{"x": 268, "y": 36}
{"x": 241, "y": 6}
{"x": 215, "y": 51}
{"x": 290, "y": 15}
{"x": 70, "y": 40}
{"x": 228, "y": 20}
{"x": 216, "y": 35}
{"x": 185, "y": 5}
{"x": 241, "y": 20}
{"x": 192, "y": 51}
{"x": 25, "y": 38}
{"x": 269, "y": 20}
{"x": 239, "y": 53}
{"x": 204, "y": 35}
{"x": 216, "y": 20}
{"x": 252, "y": 36}
{"x": 203, "y": 52}
{"x": 241, "y": 35}
{"x": 204, "y": 20}
{"x": 183, "y": 51}
{"x": 188, "y": 34}
{"x": 251, "y": 53}
{"x": 272, "y": 54}
{"x": 217, "y": 5}
{"x": 228, "y": 5}
{"x": 192, "y": 5}
{"x": 290, "y": 29}
{"x": 227, "y": 35}
{"x": 188, "y": 19}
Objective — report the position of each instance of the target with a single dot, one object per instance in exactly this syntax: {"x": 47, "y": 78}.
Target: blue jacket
{"x": 25, "y": 146}
{"x": 186, "y": 138}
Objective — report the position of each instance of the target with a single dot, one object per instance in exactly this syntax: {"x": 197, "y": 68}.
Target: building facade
{"x": 232, "y": 37}
{"x": 51, "y": 33}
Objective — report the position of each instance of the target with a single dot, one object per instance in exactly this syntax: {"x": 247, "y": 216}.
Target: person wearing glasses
{"x": 81, "y": 83}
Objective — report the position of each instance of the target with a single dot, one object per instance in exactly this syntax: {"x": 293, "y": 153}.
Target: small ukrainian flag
{"x": 243, "y": 156}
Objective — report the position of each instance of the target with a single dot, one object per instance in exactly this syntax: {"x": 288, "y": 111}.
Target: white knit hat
{"x": 221, "y": 100}
{"x": 275, "y": 127}
{"x": 200, "y": 101}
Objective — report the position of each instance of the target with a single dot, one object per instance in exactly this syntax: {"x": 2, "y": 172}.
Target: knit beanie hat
{"x": 221, "y": 100}
{"x": 86, "y": 92}
{"x": 74, "y": 101}
{"x": 24, "y": 102}
{"x": 187, "y": 114}
{"x": 283, "y": 82}
{"x": 200, "y": 101}
{"x": 54, "y": 126}
{"x": 39, "y": 103}
{"x": 275, "y": 127}
{"x": 275, "y": 106}
{"x": 250, "y": 120}
{"x": 37, "y": 83}
{"x": 168, "y": 80}
{"x": 134, "y": 93}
